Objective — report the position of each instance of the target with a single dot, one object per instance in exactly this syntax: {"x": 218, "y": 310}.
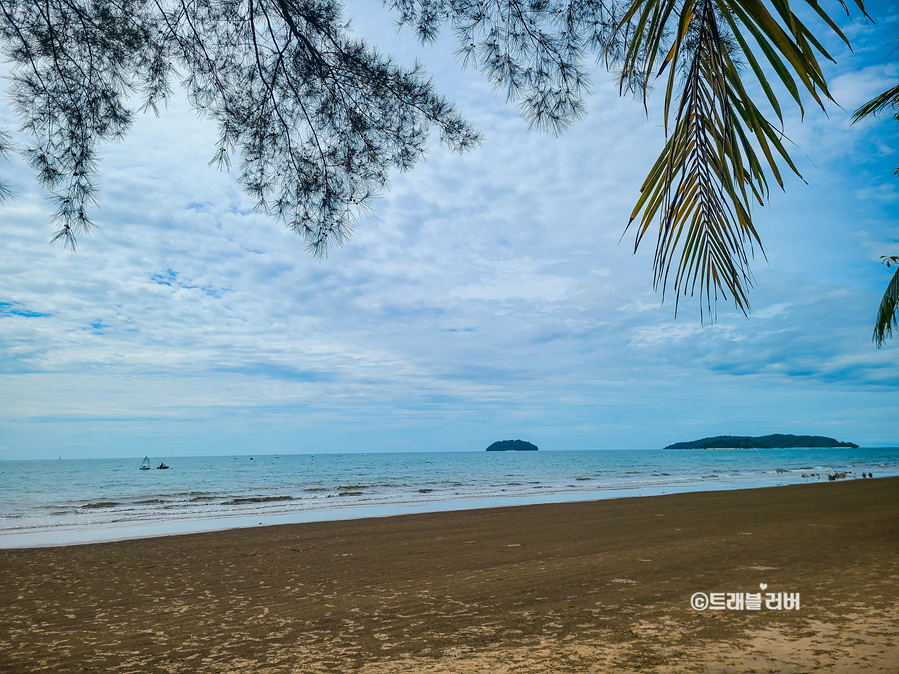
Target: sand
{"x": 577, "y": 587}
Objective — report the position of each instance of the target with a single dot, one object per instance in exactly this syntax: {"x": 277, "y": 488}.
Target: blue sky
{"x": 487, "y": 297}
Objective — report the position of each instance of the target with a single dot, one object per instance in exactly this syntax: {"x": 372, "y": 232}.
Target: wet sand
{"x": 576, "y": 587}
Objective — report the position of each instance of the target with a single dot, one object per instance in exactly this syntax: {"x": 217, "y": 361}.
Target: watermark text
{"x": 745, "y": 601}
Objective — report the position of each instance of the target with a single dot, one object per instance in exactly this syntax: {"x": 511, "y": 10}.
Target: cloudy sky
{"x": 487, "y": 297}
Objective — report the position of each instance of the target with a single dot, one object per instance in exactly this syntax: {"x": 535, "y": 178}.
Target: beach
{"x": 600, "y": 586}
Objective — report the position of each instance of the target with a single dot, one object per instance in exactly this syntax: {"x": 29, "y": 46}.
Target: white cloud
{"x": 486, "y": 291}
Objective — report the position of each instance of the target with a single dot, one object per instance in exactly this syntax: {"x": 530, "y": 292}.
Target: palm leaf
{"x": 720, "y": 147}
{"x": 698, "y": 186}
{"x": 888, "y": 313}
{"x": 888, "y": 99}
{"x": 889, "y": 305}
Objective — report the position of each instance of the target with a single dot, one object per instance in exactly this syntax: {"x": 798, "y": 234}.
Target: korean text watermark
{"x": 745, "y": 601}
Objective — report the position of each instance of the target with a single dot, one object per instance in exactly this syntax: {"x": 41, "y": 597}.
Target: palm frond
{"x": 721, "y": 149}
{"x": 888, "y": 313}
{"x": 888, "y": 99}
{"x": 703, "y": 180}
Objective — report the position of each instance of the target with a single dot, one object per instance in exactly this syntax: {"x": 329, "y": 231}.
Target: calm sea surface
{"x": 71, "y": 501}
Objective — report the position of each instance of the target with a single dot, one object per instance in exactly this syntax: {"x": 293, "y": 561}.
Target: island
{"x": 776, "y": 441}
{"x": 512, "y": 446}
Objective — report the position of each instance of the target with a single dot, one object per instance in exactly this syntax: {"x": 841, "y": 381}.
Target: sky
{"x": 488, "y": 296}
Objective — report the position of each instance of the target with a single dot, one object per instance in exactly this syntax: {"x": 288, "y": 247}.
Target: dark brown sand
{"x": 584, "y": 587}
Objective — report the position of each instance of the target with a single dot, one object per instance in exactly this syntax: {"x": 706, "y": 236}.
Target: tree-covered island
{"x": 512, "y": 446}
{"x": 775, "y": 441}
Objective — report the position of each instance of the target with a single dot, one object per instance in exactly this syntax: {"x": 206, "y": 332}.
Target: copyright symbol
{"x": 699, "y": 601}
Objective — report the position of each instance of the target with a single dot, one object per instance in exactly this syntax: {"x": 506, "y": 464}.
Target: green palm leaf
{"x": 889, "y": 305}
{"x": 888, "y": 313}
{"x": 721, "y": 147}
{"x": 888, "y": 99}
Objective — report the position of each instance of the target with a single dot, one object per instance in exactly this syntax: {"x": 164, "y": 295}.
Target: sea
{"x": 71, "y": 501}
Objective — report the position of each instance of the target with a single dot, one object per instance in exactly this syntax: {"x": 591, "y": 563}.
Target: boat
{"x": 161, "y": 466}
{"x": 146, "y": 463}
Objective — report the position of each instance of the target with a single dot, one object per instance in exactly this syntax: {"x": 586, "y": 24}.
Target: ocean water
{"x": 85, "y": 500}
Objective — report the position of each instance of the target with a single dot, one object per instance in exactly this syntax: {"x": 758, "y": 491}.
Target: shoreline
{"x": 84, "y": 501}
{"x": 572, "y": 587}
{"x": 141, "y": 529}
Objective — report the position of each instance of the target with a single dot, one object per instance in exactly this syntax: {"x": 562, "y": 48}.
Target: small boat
{"x": 146, "y": 463}
{"x": 161, "y": 466}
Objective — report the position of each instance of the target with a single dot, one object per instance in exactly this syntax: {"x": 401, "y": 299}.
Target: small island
{"x": 776, "y": 441}
{"x": 512, "y": 446}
